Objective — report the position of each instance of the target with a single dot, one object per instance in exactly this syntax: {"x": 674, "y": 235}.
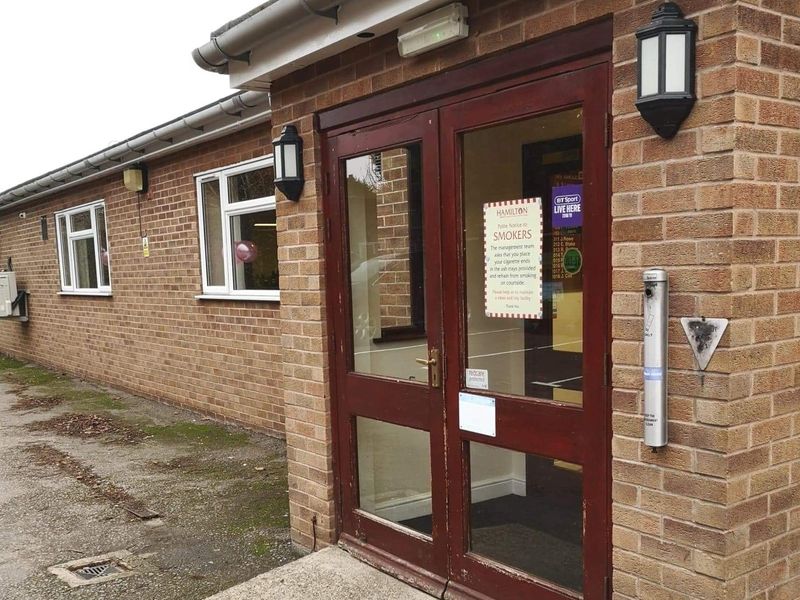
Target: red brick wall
{"x": 718, "y": 207}
{"x": 152, "y": 337}
{"x": 716, "y": 515}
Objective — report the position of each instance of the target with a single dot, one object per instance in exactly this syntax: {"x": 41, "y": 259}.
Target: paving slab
{"x": 329, "y": 574}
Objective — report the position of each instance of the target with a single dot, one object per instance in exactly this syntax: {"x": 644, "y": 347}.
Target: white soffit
{"x": 317, "y": 38}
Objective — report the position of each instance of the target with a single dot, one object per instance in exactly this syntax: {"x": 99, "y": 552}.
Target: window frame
{"x": 92, "y": 233}
{"x": 228, "y": 210}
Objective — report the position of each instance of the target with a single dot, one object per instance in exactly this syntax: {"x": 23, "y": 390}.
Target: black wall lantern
{"x": 289, "y": 162}
{"x": 666, "y": 71}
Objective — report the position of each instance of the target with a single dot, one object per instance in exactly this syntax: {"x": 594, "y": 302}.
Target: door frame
{"x": 571, "y": 50}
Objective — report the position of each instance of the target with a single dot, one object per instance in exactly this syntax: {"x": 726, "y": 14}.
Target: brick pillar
{"x": 304, "y": 341}
{"x": 716, "y": 514}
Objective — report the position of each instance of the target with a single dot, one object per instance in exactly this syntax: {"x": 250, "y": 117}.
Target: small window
{"x": 83, "y": 256}
{"x": 239, "y": 240}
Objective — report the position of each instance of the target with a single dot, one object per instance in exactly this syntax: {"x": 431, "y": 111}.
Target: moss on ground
{"x": 262, "y": 546}
{"x": 260, "y": 504}
{"x": 31, "y": 376}
{"x": 92, "y": 400}
{"x": 6, "y": 362}
{"x": 204, "y": 434}
{"x": 54, "y": 385}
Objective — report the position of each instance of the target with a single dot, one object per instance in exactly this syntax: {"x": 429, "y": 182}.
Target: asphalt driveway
{"x": 197, "y": 506}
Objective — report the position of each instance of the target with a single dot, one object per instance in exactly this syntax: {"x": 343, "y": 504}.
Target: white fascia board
{"x": 316, "y": 38}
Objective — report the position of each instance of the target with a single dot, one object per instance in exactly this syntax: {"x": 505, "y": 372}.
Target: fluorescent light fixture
{"x": 436, "y": 29}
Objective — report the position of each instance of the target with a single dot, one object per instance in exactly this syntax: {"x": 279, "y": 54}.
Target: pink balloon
{"x": 245, "y": 251}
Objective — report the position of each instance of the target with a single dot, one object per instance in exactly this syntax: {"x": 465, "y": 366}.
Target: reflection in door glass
{"x": 384, "y": 205}
{"x": 526, "y": 512}
{"x": 524, "y": 258}
{"x": 394, "y": 473}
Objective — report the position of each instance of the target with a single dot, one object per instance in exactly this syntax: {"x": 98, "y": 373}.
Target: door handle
{"x": 434, "y": 367}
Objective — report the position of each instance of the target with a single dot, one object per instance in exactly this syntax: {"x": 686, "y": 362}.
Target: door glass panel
{"x": 384, "y": 205}
{"x": 526, "y": 512}
{"x": 525, "y": 328}
{"x": 394, "y": 473}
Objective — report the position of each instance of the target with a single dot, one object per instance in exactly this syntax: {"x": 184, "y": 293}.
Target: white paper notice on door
{"x": 477, "y": 414}
{"x": 512, "y": 244}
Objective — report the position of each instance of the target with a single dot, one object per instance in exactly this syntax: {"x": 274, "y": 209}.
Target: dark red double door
{"x": 468, "y": 273}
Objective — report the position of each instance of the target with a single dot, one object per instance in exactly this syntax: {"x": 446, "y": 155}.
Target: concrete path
{"x": 221, "y": 493}
{"x": 330, "y": 574}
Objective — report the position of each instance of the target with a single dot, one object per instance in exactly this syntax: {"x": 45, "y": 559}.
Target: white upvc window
{"x": 238, "y": 235}
{"x": 83, "y": 255}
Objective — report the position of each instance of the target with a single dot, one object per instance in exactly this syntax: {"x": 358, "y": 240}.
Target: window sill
{"x": 86, "y": 293}
{"x": 252, "y": 298}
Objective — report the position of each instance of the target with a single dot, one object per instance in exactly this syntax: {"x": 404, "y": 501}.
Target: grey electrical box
{"x": 8, "y": 293}
{"x": 656, "y": 310}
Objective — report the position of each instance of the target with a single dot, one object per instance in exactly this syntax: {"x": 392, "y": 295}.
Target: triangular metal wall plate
{"x": 704, "y": 336}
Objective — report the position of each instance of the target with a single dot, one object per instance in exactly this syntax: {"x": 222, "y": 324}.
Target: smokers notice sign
{"x": 512, "y": 240}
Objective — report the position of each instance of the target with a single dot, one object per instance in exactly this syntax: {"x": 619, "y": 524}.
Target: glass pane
{"x": 524, "y": 257}
{"x": 526, "y": 511}
{"x": 251, "y": 185}
{"x": 80, "y": 221}
{"x": 676, "y": 63}
{"x": 255, "y": 251}
{"x": 212, "y": 226}
{"x": 62, "y": 232}
{"x": 85, "y": 262}
{"x": 384, "y": 201}
{"x": 278, "y": 159}
{"x": 105, "y": 256}
{"x": 648, "y": 66}
{"x": 290, "y": 157}
{"x": 394, "y": 473}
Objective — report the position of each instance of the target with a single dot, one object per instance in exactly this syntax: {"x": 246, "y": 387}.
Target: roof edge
{"x": 202, "y": 124}
{"x": 235, "y": 39}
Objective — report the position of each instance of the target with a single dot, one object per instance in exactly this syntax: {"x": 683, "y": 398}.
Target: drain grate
{"x": 101, "y": 570}
{"x": 97, "y": 569}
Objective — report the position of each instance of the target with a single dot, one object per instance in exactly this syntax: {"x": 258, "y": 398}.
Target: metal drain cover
{"x": 101, "y": 570}
{"x": 95, "y": 569}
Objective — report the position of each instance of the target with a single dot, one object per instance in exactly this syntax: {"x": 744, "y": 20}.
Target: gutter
{"x": 206, "y": 123}
{"x": 235, "y": 40}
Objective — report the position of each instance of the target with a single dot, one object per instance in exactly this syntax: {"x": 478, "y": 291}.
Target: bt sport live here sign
{"x": 567, "y": 206}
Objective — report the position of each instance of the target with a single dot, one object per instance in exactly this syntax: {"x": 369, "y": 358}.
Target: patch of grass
{"x": 6, "y": 362}
{"x": 209, "y": 435}
{"x": 261, "y": 505}
{"x": 92, "y": 401}
{"x": 261, "y": 547}
{"x": 82, "y": 398}
{"x": 31, "y": 376}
